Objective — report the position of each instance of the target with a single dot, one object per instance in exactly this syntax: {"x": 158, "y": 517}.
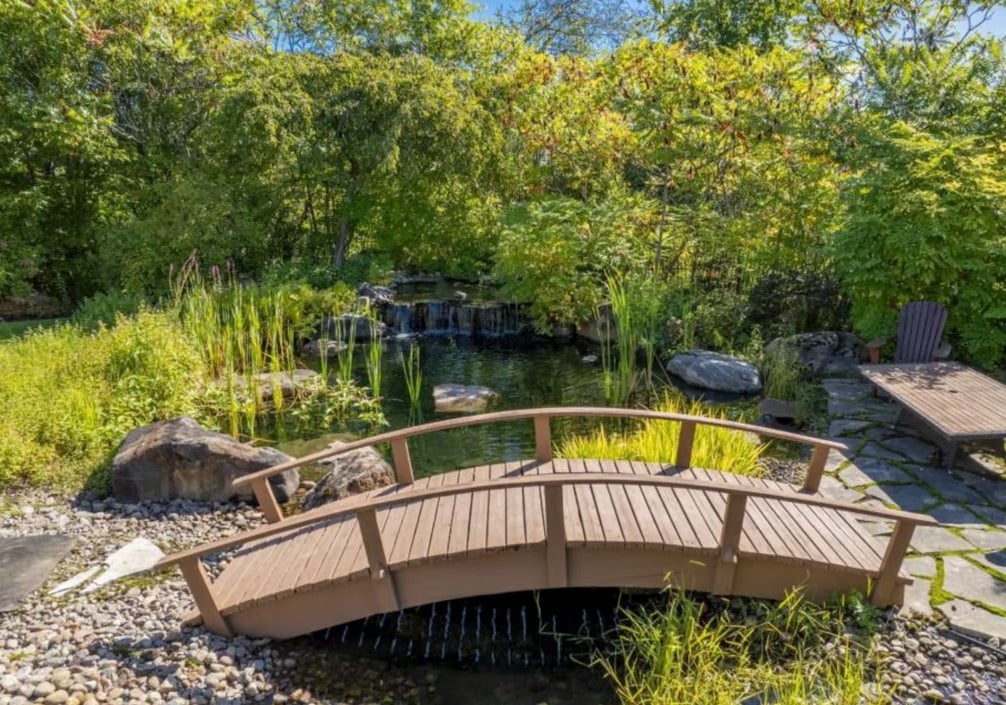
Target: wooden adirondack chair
{"x": 920, "y": 331}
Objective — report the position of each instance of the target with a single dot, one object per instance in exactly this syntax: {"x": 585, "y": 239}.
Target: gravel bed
{"x": 124, "y": 643}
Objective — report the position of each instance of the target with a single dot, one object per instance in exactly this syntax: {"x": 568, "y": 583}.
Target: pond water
{"x": 525, "y": 373}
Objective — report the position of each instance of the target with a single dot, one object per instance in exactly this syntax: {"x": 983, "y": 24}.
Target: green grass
{"x": 71, "y": 393}
{"x": 657, "y": 441}
{"x": 794, "y": 652}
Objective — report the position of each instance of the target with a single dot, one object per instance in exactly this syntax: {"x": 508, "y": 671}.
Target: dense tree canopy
{"x": 732, "y": 151}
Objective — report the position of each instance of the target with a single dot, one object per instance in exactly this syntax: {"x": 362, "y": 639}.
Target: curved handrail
{"x": 356, "y": 505}
{"x": 543, "y": 444}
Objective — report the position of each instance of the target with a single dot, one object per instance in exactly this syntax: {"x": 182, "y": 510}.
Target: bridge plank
{"x": 461, "y": 522}
{"x": 338, "y": 545}
{"x": 626, "y": 516}
{"x": 661, "y": 519}
{"x": 478, "y": 525}
{"x": 516, "y": 514}
{"x": 696, "y": 511}
{"x": 838, "y": 543}
{"x": 610, "y": 527}
{"x": 804, "y": 535}
{"x": 406, "y": 533}
{"x": 497, "y": 531}
{"x": 648, "y": 526}
{"x": 867, "y": 552}
{"x": 440, "y": 538}
{"x": 679, "y": 518}
{"x": 591, "y": 532}
{"x": 534, "y": 503}
{"x": 419, "y": 548}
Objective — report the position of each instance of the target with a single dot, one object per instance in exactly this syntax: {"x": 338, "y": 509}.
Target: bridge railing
{"x": 542, "y": 419}
{"x": 364, "y": 511}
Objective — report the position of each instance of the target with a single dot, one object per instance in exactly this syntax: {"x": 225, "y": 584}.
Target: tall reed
{"x": 413, "y": 374}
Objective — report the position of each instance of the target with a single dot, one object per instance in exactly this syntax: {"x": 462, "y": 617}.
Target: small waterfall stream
{"x": 476, "y": 320}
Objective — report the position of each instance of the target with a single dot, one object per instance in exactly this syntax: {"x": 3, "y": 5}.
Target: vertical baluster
{"x": 267, "y": 500}
{"x": 685, "y": 440}
{"x": 199, "y": 585}
{"x": 816, "y": 468}
{"x": 883, "y": 591}
{"x": 403, "y": 461}
{"x": 730, "y": 537}
{"x": 555, "y": 537}
{"x": 542, "y": 438}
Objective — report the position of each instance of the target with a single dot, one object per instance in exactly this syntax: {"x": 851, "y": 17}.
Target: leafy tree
{"x": 734, "y": 23}
{"x": 925, "y": 221}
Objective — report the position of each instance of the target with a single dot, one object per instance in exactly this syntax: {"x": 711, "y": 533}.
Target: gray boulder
{"x": 323, "y": 348}
{"x": 292, "y": 385}
{"x": 461, "y": 398}
{"x": 341, "y": 327}
{"x": 821, "y": 353}
{"x": 178, "y": 458}
{"x": 360, "y": 470}
{"x": 380, "y": 295}
{"x": 715, "y": 371}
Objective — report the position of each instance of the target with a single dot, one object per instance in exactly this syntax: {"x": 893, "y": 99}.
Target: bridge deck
{"x": 489, "y": 522}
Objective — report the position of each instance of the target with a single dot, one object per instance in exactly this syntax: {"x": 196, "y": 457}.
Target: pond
{"x": 524, "y": 372}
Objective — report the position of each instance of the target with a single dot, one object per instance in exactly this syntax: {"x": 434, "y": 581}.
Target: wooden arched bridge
{"x": 543, "y": 523}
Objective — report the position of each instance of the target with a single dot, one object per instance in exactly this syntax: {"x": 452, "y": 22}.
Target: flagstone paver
{"x": 989, "y": 540}
{"x": 972, "y": 619}
{"x": 869, "y": 471}
{"x": 922, "y": 566}
{"x": 937, "y": 539}
{"x": 917, "y": 598}
{"x": 888, "y": 464}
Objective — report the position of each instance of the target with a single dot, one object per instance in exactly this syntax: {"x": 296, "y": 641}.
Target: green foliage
{"x": 558, "y": 253}
{"x": 688, "y": 653}
{"x": 71, "y": 396}
{"x": 926, "y": 223}
{"x": 657, "y": 441}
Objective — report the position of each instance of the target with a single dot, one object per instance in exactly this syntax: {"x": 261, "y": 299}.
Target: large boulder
{"x": 321, "y": 347}
{"x": 351, "y": 324}
{"x": 462, "y": 398}
{"x": 821, "y": 353}
{"x": 178, "y": 458}
{"x": 356, "y": 471}
{"x": 715, "y": 371}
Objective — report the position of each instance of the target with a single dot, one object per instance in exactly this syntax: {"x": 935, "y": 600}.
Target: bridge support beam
{"x": 726, "y": 564}
{"x": 384, "y": 583}
{"x": 555, "y": 538}
{"x": 199, "y": 585}
{"x": 883, "y": 591}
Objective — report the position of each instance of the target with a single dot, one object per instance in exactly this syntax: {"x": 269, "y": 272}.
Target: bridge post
{"x": 815, "y": 469}
{"x": 542, "y": 438}
{"x": 555, "y": 537}
{"x": 403, "y": 461}
{"x": 267, "y": 500}
{"x": 685, "y": 440}
{"x": 883, "y": 590}
{"x": 726, "y": 564}
{"x": 377, "y": 559}
{"x": 199, "y": 585}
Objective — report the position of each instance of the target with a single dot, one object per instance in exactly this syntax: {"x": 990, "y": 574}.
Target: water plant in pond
{"x": 691, "y": 652}
{"x": 657, "y": 441}
{"x": 413, "y": 374}
{"x": 375, "y": 352}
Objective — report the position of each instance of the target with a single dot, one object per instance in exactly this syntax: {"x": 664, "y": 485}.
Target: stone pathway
{"x": 960, "y": 566}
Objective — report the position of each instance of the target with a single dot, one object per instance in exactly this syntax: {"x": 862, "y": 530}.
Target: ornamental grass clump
{"x": 692, "y": 652}
{"x": 657, "y": 441}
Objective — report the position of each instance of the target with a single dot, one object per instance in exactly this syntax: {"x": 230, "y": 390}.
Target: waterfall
{"x": 475, "y": 320}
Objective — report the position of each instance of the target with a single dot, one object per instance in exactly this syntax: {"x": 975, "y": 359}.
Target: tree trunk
{"x": 346, "y": 228}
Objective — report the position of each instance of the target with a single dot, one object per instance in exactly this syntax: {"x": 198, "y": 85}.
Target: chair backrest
{"x": 920, "y": 328}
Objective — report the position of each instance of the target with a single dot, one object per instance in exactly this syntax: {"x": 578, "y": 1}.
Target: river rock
{"x": 323, "y": 348}
{"x": 715, "y": 371}
{"x": 350, "y": 473}
{"x": 178, "y": 458}
{"x": 822, "y": 353}
{"x": 341, "y": 327}
{"x": 292, "y": 385}
{"x": 380, "y": 295}
{"x": 461, "y": 398}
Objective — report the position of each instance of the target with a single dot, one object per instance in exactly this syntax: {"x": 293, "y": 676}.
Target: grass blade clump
{"x": 657, "y": 441}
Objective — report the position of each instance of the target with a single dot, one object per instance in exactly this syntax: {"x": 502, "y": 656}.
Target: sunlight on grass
{"x": 657, "y": 441}
{"x": 791, "y": 652}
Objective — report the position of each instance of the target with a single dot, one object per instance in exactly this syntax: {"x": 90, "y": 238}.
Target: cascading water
{"x": 476, "y": 320}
